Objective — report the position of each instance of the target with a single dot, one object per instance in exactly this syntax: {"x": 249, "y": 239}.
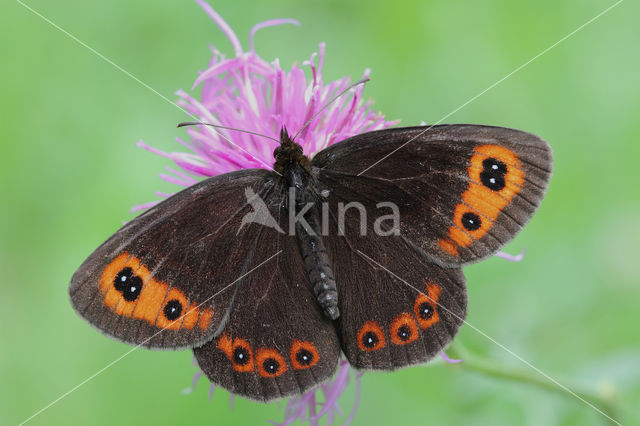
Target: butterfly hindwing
{"x": 396, "y": 307}
{"x": 277, "y": 342}
{"x": 463, "y": 191}
{"x": 160, "y": 281}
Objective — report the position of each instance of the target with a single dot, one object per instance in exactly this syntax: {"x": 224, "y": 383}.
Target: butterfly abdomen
{"x": 304, "y": 209}
{"x": 318, "y": 266}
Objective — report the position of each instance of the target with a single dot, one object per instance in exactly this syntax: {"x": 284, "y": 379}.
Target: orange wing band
{"x": 156, "y": 302}
{"x": 492, "y": 186}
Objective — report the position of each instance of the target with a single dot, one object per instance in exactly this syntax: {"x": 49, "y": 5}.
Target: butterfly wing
{"x": 396, "y": 307}
{"x": 463, "y": 191}
{"x": 277, "y": 341}
{"x": 166, "y": 278}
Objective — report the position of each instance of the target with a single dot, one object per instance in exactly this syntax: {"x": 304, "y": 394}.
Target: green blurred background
{"x": 70, "y": 172}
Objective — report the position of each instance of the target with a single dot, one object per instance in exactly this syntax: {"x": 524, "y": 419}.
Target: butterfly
{"x": 270, "y": 276}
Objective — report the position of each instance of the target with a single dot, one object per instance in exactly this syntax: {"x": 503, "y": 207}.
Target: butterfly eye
{"x": 270, "y": 363}
{"x": 129, "y": 284}
{"x": 371, "y": 337}
{"x": 298, "y": 148}
{"x": 493, "y": 174}
{"x": 403, "y": 333}
{"x": 425, "y": 311}
{"x": 241, "y": 355}
{"x": 276, "y": 152}
{"x": 425, "y": 307}
{"x": 471, "y": 221}
{"x": 238, "y": 351}
{"x": 303, "y": 355}
{"x": 404, "y": 329}
{"x": 172, "y": 309}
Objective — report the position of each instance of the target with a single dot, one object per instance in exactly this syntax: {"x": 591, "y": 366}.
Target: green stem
{"x": 606, "y": 403}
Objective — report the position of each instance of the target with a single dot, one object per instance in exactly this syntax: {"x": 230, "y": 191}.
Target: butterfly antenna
{"x": 357, "y": 83}
{"x": 197, "y": 123}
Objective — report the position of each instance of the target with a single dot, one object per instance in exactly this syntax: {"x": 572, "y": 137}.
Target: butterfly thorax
{"x": 289, "y": 155}
{"x": 295, "y": 169}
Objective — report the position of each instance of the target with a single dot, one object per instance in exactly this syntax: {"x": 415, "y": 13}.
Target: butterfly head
{"x": 289, "y": 154}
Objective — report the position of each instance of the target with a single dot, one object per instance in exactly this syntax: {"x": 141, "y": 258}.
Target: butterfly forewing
{"x": 163, "y": 280}
{"x": 463, "y": 191}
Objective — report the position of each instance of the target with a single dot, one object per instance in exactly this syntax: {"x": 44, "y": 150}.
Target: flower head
{"x": 246, "y": 92}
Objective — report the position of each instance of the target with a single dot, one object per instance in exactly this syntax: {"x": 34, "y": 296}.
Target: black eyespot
{"x": 241, "y": 355}
{"x": 304, "y": 357}
{"x": 404, "y": 333}
{"x": 493, "y": 173}
{"x": 172, "y": 309}
{"x": 271, "y": 365}
{"x": 471, "y": 221}
{"x": 370, "y": 339}
{"x": 425, "y": 310}
{"x": 129, "y": 284}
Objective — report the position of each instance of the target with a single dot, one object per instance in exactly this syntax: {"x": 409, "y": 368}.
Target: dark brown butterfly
{"x": 268, "y": 311}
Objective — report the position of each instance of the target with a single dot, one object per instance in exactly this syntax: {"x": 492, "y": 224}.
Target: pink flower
{"x": 246, "y": 92}
{"x": 308, "y": 407}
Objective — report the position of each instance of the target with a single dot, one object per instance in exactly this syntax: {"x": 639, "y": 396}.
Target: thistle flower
{"x": 444, "y": 356}
{"x": 307, "y": 407}
{"x": 246, "y": 92}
